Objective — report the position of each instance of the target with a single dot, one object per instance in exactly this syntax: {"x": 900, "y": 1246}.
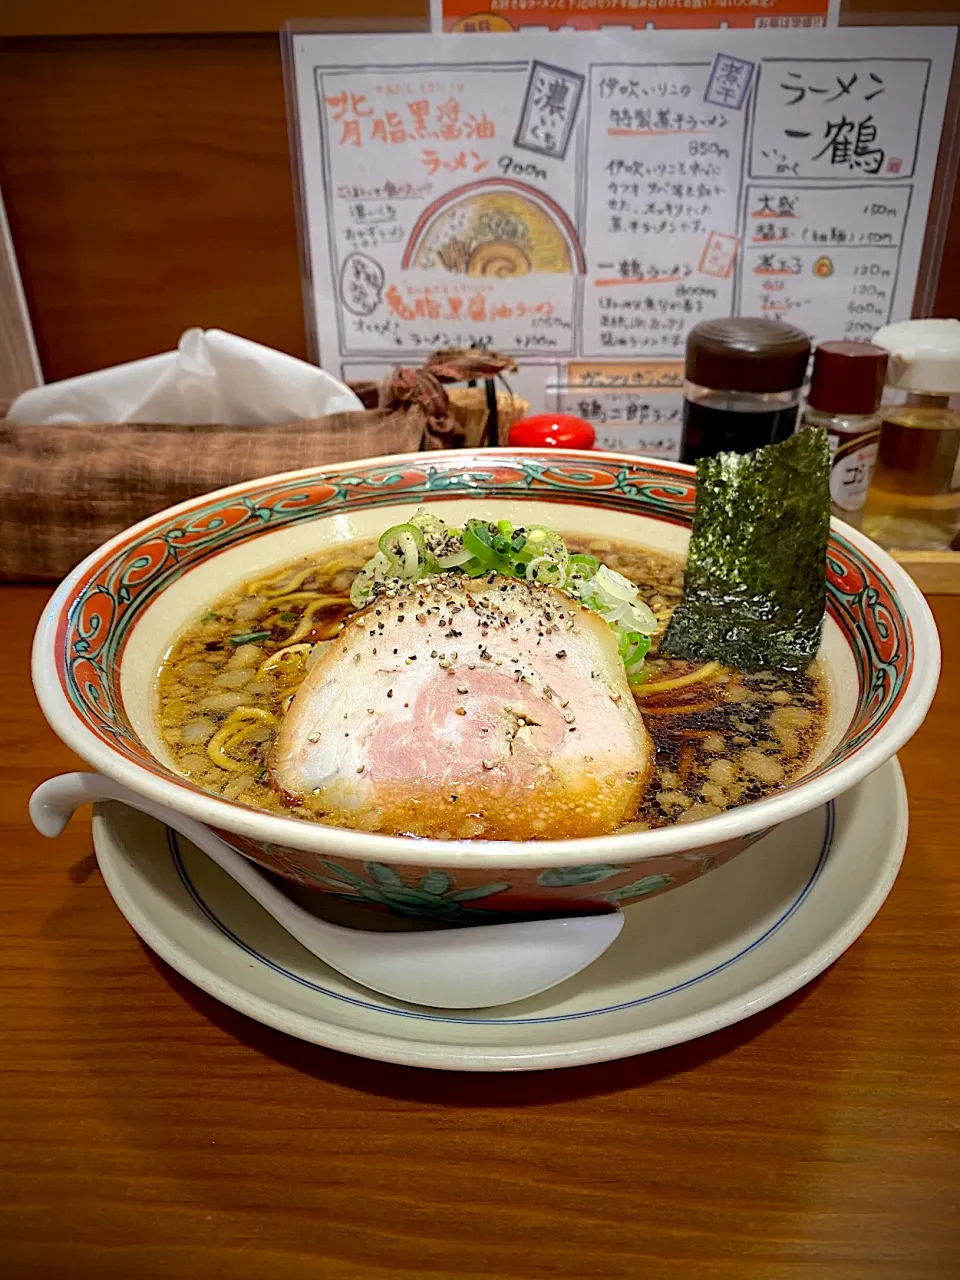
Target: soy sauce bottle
{"x": 742, "y": 384}
{"x": 845, "y": 391}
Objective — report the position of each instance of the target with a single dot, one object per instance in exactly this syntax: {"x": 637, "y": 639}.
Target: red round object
{"x": 555, "y": 430}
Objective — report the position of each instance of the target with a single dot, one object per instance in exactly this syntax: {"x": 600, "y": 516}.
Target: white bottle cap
{"x": 924, "y": 355}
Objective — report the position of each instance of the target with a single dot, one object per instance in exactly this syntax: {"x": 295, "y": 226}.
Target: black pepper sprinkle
{"x": 389, "y": 693}
{"x": 561, "y": 653}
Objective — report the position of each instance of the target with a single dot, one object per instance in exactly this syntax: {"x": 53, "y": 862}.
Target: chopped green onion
{"x": 375, "y": 570}
{"x": 250, "y": 637}
{"x": 210, "y": 617}
{"x": 404, "y": 547}
{"x": 429, "y": 524}
{"x": 288, "y": 617}
{"x": 633, "y": 648}
{"x": 545, "y": 541}
{"x": 454, "y": 560}
{"x": 582, "y": 566}
{"x": 476, "y": 539}
{"x": 616, "y": 599}
{"x": 474, "y": 568}
{"x": 545, "y": 571}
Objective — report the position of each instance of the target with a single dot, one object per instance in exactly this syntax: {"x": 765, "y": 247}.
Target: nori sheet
{"x": 755, "y": 583}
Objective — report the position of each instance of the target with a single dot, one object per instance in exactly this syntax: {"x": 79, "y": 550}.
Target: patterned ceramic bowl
{"x": 108, "y": 625}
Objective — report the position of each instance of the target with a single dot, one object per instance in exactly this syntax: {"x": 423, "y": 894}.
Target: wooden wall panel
{"x": 147, "y": 183}
{"x": 154, "y": 17}
{"x": 148, "y": 188}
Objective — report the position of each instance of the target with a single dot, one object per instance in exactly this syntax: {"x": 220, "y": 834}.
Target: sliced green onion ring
{"x": 404, "y": 547}
{"x": 545, "y": 571}
{"x": 582, "y": 566}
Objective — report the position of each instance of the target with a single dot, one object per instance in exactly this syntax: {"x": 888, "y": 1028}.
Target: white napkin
{"x": 212, "y": 377}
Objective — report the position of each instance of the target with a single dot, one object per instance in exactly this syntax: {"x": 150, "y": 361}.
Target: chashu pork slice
{"x": 495, "y": 710}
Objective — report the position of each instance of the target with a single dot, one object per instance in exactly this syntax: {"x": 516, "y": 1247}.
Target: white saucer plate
{"x": 686, "y": 964}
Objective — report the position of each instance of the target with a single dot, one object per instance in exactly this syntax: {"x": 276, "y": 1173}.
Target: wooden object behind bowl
{"x": 469, "y": 406}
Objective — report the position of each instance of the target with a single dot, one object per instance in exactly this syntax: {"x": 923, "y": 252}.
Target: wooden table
{"x": 150, "y": 1132}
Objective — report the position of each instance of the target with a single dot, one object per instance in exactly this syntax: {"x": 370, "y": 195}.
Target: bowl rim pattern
{"x": 79, "y": 643}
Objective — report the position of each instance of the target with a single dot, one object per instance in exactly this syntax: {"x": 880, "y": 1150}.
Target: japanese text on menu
{"x": 575, "y": 199}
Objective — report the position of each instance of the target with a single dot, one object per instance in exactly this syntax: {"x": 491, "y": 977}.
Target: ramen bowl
{"x": 109, "y": 624}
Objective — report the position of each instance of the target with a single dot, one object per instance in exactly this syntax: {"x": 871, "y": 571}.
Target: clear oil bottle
{"x": 914, "y": 501}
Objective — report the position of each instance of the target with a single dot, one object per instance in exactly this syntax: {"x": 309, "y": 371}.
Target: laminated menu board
{"x": 580, "y": 201}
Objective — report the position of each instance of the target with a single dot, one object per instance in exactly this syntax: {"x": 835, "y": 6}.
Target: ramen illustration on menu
{"x": 498, "y": 228}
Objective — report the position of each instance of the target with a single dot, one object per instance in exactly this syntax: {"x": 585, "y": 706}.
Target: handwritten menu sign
{"x": 581, "y": 201}
{"x": 634, "y": 408}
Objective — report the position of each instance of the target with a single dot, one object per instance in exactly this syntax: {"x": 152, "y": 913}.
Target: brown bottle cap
{"x": 747, "y": 354}
{"x": 847, "y": 377}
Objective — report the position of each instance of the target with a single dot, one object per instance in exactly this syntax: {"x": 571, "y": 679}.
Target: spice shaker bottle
{"x": 914, "y": 502}
{"x": 742, "y": 383}
{"x": 846, "y": 387}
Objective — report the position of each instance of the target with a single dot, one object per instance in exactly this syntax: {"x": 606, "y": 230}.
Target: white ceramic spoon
{"x": 469, "y": 968}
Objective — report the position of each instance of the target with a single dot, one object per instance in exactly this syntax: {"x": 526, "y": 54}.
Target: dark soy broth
{"x": 722, "y": 737}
